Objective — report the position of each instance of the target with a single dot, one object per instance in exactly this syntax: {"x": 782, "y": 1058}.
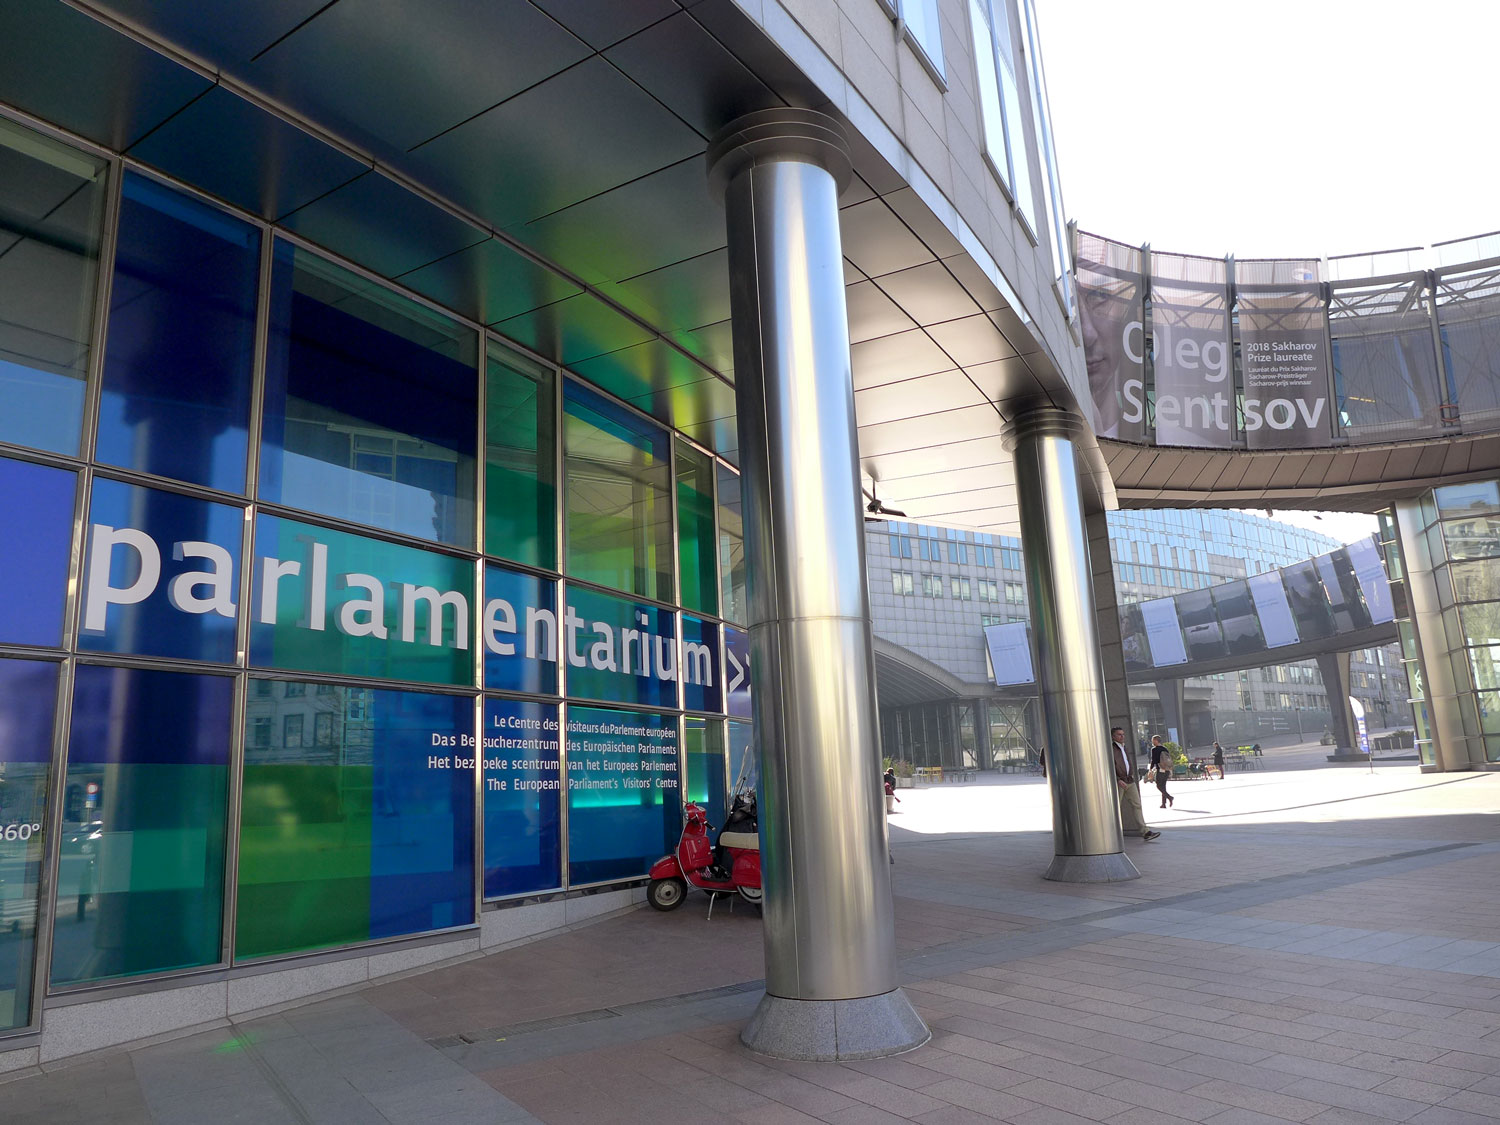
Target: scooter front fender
{"x": 666, "y": 867}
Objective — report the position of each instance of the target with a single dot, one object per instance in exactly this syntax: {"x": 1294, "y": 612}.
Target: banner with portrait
{"x": 1190, "y": 351}
{"x": 1111, "y": 313}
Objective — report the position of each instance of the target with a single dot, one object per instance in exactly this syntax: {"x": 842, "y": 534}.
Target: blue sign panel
{"x": 36, "y": 511}
{"x": 624, "y": 804}
{"x": 520, "y": 631}
{"x": 701, "y": 686}
{"x": 522, "y": 799}
{"x": 737, "y": 671}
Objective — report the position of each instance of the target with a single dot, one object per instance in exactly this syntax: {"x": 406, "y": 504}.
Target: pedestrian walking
{"x": 1161, "y": 765}
{"x": 1219, "y": 759}
{"x": 1132, "y": 818}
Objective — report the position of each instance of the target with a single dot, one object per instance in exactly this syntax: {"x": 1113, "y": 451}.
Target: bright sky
{"x": 1275, "y": 127}
{"x": 1343, "y": 526}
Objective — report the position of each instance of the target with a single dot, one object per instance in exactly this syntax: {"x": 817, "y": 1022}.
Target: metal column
{"x": 1087, "y": 844}
{"x": 1173, "y": 696}
{"x": 831, "y": 985}
{"x": 1333, "y": 667}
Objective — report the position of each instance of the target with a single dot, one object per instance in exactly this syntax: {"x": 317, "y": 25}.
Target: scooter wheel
{"x": 751, "y": 895}
{"x": 666, "y": 894}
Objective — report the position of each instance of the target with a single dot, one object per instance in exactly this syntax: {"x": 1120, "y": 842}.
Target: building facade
{"x": 934, "y": 590}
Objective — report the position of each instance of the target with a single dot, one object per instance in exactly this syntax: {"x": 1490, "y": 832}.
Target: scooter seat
{"x": 749, "y": 840}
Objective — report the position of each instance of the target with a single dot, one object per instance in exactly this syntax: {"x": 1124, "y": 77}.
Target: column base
{"x": 1342, "y": 754}
{"x": 871, "y": 1027}
{"x": 1113, "y": 867}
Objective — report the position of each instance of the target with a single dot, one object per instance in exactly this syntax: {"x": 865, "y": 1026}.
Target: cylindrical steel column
{"x": 831, "y": 986}
{"x": 1086, "y": 838}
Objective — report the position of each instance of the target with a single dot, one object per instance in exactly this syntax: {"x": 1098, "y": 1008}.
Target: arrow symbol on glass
{"x": 738, "y": 678}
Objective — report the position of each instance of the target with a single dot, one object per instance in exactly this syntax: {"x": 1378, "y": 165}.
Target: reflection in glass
{"x": 703, "y": 743}
{"x": 51, "y": 213}
{"x": 1344, "y": 595}
{"x": 36, "y": 511}
{"x": 1477, "y": 537}
{"x": 696, "y": 558}
{"x": 176, "y": 387}
{"x": 1481, "y": 623}
{"x": 357, "y": 827}
{"x": 1474, "y": 498}
{"x": 522, "y": 798}
{"x": 140, "y": 884}
{"x": 370, "y": 401}
{"x": 1200, "y": 627}
{"x": 520, "y": 460}
{"x": 731, "y": 546}
{"x": 28, "y": 697}
{"x": 624, "y": 804}
{"x": 1133, "y": 641}
{"x": 1237, "y": 616}
{"x": 619, "y": 510}
{"x": 1384, "y": 365}
{"x": 1309, "y": 603}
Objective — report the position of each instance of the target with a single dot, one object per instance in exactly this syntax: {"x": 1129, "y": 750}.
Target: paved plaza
{"x": 1307, "y": 943}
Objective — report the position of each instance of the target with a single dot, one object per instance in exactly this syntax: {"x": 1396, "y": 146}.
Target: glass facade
{"x": 317, "y": 666}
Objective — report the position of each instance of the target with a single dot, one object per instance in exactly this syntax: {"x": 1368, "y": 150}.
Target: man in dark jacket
{"x": 1132, "y": 818}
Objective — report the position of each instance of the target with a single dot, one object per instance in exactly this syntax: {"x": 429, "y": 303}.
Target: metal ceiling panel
{"x": 928, "y": 394}
{"x": 691, "y": 405}
{"x": 971, "y": 499}
{"x": 649, "y": 371}
{"x": 1288, "y": 471}
{"x": 691, "y": 72}
{"x": 384, "y": 227}
{"x": 68, "y": 68}
{"x": 603, "y": 22}
{"x": 1340, "y": 471}
{"x": 877, "y": 241}
{"x": 652, "y": 221}
{"x": 1005, "y": 380}
{"x": 975, "y": 455}
{"x": 680, "y": 296}
{"x": 928, "y": 430}
{"x": 573, "y": 136}
{"x": 1258, "y": 472}
{"x": 1430, "y": 461}
{"x": 1369, "y": 465}
{"x": 1314, "y": 470}
{"x": 929, "y": 294}
{"x": 1402, "y": 462}
{"x": 1020, "y": 337}
{"x": 573, "y": 330}
{"x": 929, "y": 228}
{"x": 389, "y": 74}
{"x": 719, "y": 435}
{"x": 237, "y": 151}
{"x": 712, "y": 343}
{"x": 872, "y": 314}
{"x": 970, "y": 340}
{"x": 1456, "y": 457}
{"x": 975, "y": 282}
{"x": 891, "y": 359}
{"x": 206, "y": 31}
{"x": 998, "y": 474}
{"x": 489, "y": 282}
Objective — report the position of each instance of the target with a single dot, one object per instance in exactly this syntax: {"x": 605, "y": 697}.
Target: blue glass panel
{"x": 624, "y": 805}
{"x": 181, "y": 343}
{"x": 36, "y": 511}
{"x": 703, "y": 759}
{"x": 737, "y": 670}
{"x": 520, "y": 631}
{"x": 702, "y": 685}
{"x": 51, "y": 213}
{"x": 370, "y": 404}
{"x": 140, "y": 885}
{"x": 522, "y": 799}
{"x": 161, "y": 574}
{"x": 28, "y": 697}
{"x": 422, "y": 836}
{"x": 619, "y": 651}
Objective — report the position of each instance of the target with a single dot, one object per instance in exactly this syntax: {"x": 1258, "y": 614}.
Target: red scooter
{"x": 731, "y": 867}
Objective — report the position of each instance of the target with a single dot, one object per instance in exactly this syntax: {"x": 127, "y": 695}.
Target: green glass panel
{"x": 619, "y": 502}
{"x": 357, "y": 816}
{"x": 328, "y": 601}
{"x": 697, "y": 560}
{"x": 1481, "y": 623}
{"x": 520, "y": 460}
{"x": 703, "y": 742}
{"x": 731, "y": 546}
{"x": 140, "y": 885}
{"x": 28, "y": 699}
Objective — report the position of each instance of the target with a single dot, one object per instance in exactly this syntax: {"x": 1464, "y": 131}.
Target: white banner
{"x": 1369, "y": 571}
{"x": 1163, "y": 632}
{"x": 1276, "y": 621}
{"x": 1010, "y": 653}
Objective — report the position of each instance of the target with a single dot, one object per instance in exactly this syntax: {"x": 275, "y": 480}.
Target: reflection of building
{"x": 933, "y": 590}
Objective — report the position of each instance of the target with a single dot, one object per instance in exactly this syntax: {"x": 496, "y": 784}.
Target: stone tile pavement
{"x": 1313, "y": 946}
